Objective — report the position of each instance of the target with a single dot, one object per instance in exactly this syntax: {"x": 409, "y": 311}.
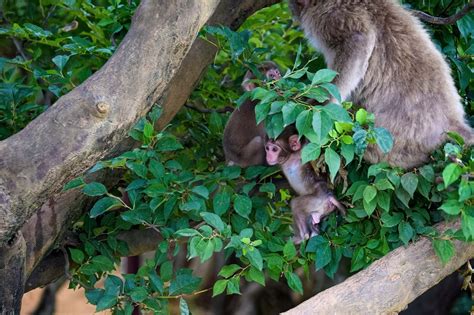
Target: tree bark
{"x": 389, "y": 284}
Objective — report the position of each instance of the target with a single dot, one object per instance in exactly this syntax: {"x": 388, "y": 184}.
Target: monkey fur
{"x": 388, "y": 64}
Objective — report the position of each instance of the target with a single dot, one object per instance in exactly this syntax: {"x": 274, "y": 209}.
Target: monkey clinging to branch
{"x": 387, "y": 63}
{"x": 244, "y": 140}
{"x": 315, "y": 200}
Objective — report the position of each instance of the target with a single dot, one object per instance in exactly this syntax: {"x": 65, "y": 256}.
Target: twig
{"x": 19, "y": 48}
{"x": 444, "y": 20}
{"x": 226, "y": 109}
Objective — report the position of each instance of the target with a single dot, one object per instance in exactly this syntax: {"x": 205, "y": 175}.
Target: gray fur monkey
{"x": 387, "y": 63}
{"x": 244, "y": 140}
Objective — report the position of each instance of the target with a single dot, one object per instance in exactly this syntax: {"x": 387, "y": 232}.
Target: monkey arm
{"x": 351, "y": 59}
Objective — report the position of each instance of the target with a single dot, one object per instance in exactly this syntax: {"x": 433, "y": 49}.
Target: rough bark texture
{"x": 12, "y": 278}
{"x": 390, "y": 283}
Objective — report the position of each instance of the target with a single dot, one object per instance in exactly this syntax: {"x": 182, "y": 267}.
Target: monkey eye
{"x": 275, "y": 149}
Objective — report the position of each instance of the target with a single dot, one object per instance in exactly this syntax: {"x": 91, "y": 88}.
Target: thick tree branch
{"x": 389, "y": 284}
{"x": 444, "y": 20}
{"x": 87, "y": 123}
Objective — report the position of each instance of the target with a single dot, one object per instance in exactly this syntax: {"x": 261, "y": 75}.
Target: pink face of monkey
{"x": 278, "y": 151}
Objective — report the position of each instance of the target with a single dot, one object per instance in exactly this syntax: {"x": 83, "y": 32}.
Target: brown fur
{"x": 315, "y": 200}
{"x": 387, "y": 63}
{"x": 244, "y": 140}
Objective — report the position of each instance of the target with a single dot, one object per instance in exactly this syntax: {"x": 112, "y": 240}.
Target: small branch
{"x": 227, "y": 109}
{"x": 19, "y": 48}
{"x": 444, "y": 20}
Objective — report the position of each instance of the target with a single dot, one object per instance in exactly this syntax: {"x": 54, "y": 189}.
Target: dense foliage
{"x": 177, "y": 184}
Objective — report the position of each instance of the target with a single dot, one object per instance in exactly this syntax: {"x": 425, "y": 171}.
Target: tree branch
{"x": 88, "y": 122}
{"x": 391, "y": 283}
{"x": 444, "y": 20}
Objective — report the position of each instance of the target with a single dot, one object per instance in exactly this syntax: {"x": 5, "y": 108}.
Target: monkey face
{"x": 273, "y": 74}
{"x": 273, "y": 152}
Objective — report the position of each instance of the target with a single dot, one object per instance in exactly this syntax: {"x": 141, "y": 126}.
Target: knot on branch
{"x": 102, "y": 109}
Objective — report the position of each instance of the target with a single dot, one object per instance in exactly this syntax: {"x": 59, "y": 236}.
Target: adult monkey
{"x": 387, "y": 63}
{"x": 244, "y": 140}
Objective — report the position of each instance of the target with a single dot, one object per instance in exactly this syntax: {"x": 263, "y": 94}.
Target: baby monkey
{"x": 315, "y": 200}
{"x": 244, "y": 140}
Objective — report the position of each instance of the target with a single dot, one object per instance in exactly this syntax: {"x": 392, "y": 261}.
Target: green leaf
{"x": 467, "y": 225}
{"x": 369, "y": 193}
{"x": 337, "y": 112}
{"x": 332, "y": 89}
{"x": 103, "y": 205}
{"x": 233, "y": 286}
{"x": 187, "y": 232}
{"x": 323, "y": 255}
{"x": 451, "y": 173}
{"x": 256, "y": 275}
{"x": 77, "y": 255}
{"x": 294, "y": 282}
{"x": 183, "y": 307}
{"x": 304, "y": 122}
{"x": 427, "y": 172}
{"x": 409, "y": 183}
{"x": 76, "y": 182}
{"x": 168, "y": 144}
{"x": 383, "y": 184}
{"x": 333, "y": 161}
{"x": 323, "y": 76}
{"x": 289, "y": 251}
{"x": 138, "y": 294}
{"x": 444, "y": 249}
{"x": 201, "y": 191}
{"x": 229, "y": 270}
{"x": 94, "y": 189}
{"x": 184, "y": 284}
{"x": 290, "y": 112}
{"x": 166, "y": 271}
{"x": 405, "y": 232}
{"x": 60, "y": 61}
{"x": 243, "y": 205}
{"x": 361, "y": 116}
{"x": 322, "y": 124}
{"x": 451, "y": 207}
{"x": 255, "y": 258}
{"x": 106, "y": 301}
{"x": 213, "y": 220}
{"x": 148, "y": 130}
{"x": 221, "y": 202}
{"x": 261, "y": 111}
{"x": 391, "y": 220}
{"x": 310, "y": 152}
{"x": 348, "y": 151}
{"x": 219, "y": 287}
{"x": 384, "y": 139}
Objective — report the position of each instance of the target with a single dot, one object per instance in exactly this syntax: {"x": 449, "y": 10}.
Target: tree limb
{"x": 87, "y": 123}
{"x": 444, "y": 20}
{"x": 391, "y": 283}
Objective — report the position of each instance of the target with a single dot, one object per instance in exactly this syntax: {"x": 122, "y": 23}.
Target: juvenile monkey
{"x": 244, "y": 140}
{"x": 315, "y": 200}
{"x": 387, "y": 63}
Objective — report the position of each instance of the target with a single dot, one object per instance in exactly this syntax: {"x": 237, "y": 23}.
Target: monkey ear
{"x": 294, "y": 142}
{"x": 337, "y": 204}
